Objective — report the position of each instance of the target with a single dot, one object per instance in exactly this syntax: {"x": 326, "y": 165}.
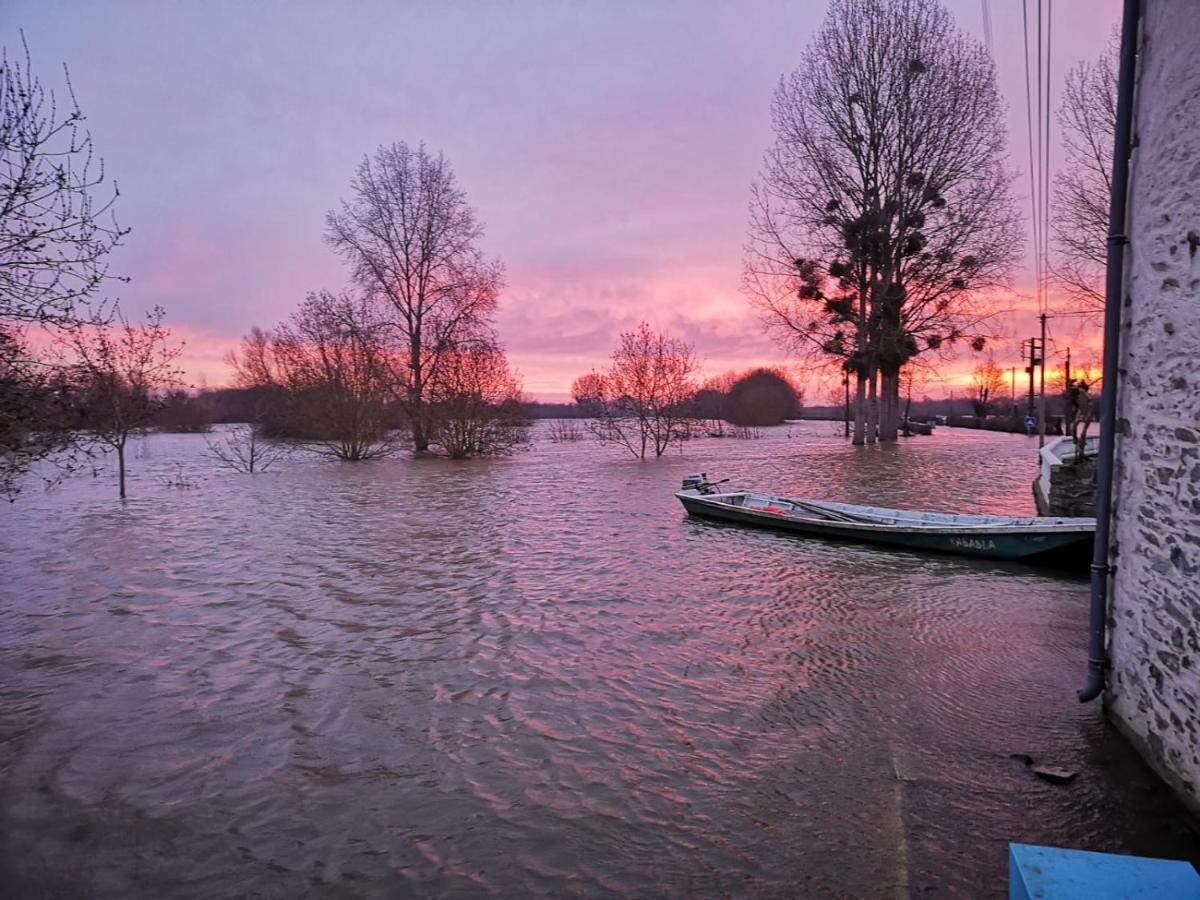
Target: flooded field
{"x": 536, "y": 676}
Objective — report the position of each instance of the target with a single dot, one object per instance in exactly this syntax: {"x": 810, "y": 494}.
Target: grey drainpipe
{"x": 1112, "y": 326}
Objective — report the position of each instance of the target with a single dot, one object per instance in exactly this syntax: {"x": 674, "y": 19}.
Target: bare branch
{"x": 1088, "y": 118}
{"x": 55, "y": 235}
{"x": 245, "y": 450}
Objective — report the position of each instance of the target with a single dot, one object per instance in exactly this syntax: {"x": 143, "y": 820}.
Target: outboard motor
{"x": 698, "y": 483}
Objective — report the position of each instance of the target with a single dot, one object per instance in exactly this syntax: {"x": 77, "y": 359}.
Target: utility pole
{"x": 1012, "y": 383}
{"x": 1070, "y": 399}
{"x": 1037, "y": 357}
{"x": 1029, "y": 352}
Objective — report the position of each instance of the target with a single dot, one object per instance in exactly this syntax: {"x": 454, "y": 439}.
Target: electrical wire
{"x": 1039, "y": 239}
{"x": 1046, "y": 168}
{"x": 1039, "y": 92}
{"x": 1033, "y": 179}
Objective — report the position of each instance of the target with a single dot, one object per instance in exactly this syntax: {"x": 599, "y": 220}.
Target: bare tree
{"x": 645, "y": 398}
{"x": 565, "y": 431}
{"x": 915, "y": 378}
{"x": 1079, "y": 389}
{"x": 1088, "y": 119}
{"x": 244, "y": 449}
{"x": 987, "y": 382}
{"x": 883, "y": 211}
{"x": 121, "y": 371}
{"x": 324, "y": 365}
{"x": 1081, "y": 398}
{"x": 409, "y": 237}
{"x": 54, "y": 236}
{"x": 479, "y": 408}
{"x": 712, "y": 402}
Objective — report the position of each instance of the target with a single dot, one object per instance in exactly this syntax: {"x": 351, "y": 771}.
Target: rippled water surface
{"x": 536, "y": 676}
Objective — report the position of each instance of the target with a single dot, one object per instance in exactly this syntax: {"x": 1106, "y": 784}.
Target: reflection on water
{"x": 537, "y": 676}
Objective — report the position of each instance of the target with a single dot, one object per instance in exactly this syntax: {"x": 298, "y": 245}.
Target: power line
{"x": 1039, "y": 239}
{"x": 1037, "y": 91}
{"x": 1046, "y": 168}
{"x": 1033, "y": 181}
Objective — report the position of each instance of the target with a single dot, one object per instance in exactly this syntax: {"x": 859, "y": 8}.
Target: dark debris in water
{"x": 1051, "y": 774}
{"x": 1054, "y": 774}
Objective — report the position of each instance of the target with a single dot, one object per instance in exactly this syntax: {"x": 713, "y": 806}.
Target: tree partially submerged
{"x": 478, "y": 405}
{"x": 987, "y": 383}
{"x": 410, "y": 239}
{"x": 322, "y": 367}
{"x": 711, "y": 403}
{"x": 644, "y": 399}
{"x": 56, "y": 233}
{"x": 762, "y": 397}
{"x": 1082, "y": 188}
{"x": 120, "y": 372}
{"x": 244, "y": 449}
{"x": 38, "y": 413}
{"x": 883, "y": 213}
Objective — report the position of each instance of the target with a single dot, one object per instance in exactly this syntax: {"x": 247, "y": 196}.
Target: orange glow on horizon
{"x": 705, "y": 308}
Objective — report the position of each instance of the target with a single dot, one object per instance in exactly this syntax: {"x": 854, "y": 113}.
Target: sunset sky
{"x": 608, "y": 146}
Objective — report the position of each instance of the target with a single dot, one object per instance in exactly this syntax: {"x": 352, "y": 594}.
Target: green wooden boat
{"x": 1050, "y": 541}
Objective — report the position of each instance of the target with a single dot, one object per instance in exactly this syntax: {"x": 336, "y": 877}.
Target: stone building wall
{"x": 1073, "y": 489}
{"x": 1154, "y": 690}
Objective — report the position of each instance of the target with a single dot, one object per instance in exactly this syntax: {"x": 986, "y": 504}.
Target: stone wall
{"x": 1154, "y": 689}
{"x": 1072, "y": 490}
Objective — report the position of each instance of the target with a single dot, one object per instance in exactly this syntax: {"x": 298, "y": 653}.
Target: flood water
{"x": 536, "y": 676}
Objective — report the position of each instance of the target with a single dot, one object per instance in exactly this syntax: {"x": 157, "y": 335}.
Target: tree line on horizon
{"x": 645, "y": 415}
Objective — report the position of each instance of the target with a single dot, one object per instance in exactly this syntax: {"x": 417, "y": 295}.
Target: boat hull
{"x": 1066, "y": 549}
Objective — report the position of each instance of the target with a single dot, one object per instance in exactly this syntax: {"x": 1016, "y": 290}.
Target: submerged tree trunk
{"x": 416, "y": 397}
{"x": 897, "y": 418}
{"x": 860, "y": 410}
{"x": 420, "y": 434}
{"x": 873, "y": 407}
{"x": 885, "y": 407}
{"x": 890, "y": 412}
{"x": 121, "y": 468}
{"x": 846, "y": 388}
{"x": 418, "y": 415}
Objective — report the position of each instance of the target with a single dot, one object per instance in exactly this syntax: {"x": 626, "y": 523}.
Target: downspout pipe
{"x": 1113, "y": 289}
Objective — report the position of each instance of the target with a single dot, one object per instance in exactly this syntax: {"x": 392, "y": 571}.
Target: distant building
{"x": 1154, "y": 619}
